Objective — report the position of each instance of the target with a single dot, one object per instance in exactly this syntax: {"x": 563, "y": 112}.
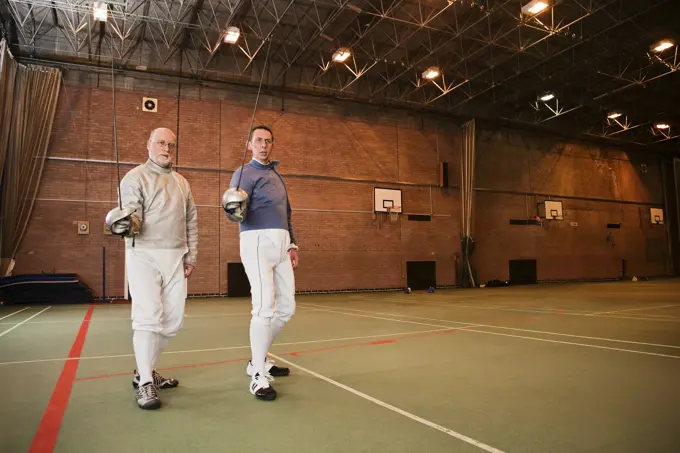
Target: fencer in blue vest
{"x": 257, "y": 199}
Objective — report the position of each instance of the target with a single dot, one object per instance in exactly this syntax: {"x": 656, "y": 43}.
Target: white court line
{"x": 12, "y": 314}
{"x": 209, "y": 315}
{"x": 23, "y": 322}
{"x": 651, "y": 315}
{"x": 546, "y": 311}
{"x": 468, "y": 324}
{"x": 509, "y": 308}
{"x": 364, "y": 337}
{"x": 573, "y": 312}
{"x": 127, "y": 318}
{"x": 632, "y": 351}
{"x": 416, "y": 418}
{"x": 632, "y": 309}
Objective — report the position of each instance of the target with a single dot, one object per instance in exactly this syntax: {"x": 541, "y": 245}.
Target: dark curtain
{"x": 468, "y": 276}
{"x": 28, "y": 100}
{"x": 675, "y": 222}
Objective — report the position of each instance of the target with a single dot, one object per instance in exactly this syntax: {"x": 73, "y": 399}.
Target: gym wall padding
{"x": 41, "y": 289}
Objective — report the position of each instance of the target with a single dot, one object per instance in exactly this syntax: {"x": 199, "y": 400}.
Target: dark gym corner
{"x": 671, "y": 186}
{"x": 421, "y": 274}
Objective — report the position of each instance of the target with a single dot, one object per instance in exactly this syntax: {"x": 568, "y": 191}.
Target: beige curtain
{"x": 8, "y": 69}
{"x": 28, "y": 100}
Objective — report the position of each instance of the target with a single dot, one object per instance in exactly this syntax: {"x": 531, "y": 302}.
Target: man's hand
{"x": 294, "y": 257}
{"x": 188, "y": 269}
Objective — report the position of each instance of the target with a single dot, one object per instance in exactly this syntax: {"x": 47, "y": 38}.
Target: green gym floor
{"x": 562, "y": 368}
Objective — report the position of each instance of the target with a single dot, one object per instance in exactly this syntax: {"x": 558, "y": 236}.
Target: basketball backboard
{"x": 386, "y": 198}
{"x": 656, "y": 216}
{"x": 550, "y": 210}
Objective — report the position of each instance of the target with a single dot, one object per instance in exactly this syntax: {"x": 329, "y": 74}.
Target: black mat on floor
{"x": 50, "y": 289}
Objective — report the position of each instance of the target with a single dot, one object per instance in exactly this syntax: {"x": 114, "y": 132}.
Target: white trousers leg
{"x": 159, "y": 290}
{"x": 265, "y": 257}
{"x": 284, "y": 296}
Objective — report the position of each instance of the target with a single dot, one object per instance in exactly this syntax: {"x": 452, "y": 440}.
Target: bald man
{"x": 161, "y": 247}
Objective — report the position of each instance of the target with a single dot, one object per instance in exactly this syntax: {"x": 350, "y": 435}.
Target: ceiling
{"x": 594, "y": 56}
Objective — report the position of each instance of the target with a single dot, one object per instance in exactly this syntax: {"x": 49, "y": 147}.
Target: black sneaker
{"x": 269, "y": 368}
{"x": 147, "y": 396}
{"x": 160, "y": 381}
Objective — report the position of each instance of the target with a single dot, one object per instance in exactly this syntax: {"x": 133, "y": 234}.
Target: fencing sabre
{"x": 235, "y": 199}
{"x": 118, "y": 220}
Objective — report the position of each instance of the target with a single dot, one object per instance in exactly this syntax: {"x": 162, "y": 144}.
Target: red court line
{"x": 311, "y": 351}
{"x": 192, "y": 365}
{"x": 46, "y": 436}
{"x": 293, "y": 354}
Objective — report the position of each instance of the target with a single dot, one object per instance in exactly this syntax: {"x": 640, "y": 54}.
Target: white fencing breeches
{"x": 265, "y": 257}
{"x": 158, "y": 288}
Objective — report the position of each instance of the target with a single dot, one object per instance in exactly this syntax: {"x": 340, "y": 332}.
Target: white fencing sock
{"x": 275, "y": 329}
{"x": 260, "y": 336}
{"x": 145, "y": 345}
{"x": 160, "y": 347}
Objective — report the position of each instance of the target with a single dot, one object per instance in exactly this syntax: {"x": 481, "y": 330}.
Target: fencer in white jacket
{"x": 160, "y": 227}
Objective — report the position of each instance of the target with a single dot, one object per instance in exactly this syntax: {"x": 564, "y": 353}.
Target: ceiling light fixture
{"x": 431, "y": 73}
{"x": 341, "y": 54}
{"x": 662, "y": 45}
{"x": 232, "y": 35}
{"x": 534, "y": 7}
{"x": 547, "y": 97}
{"x": 614, "y": 115}
{"x": 662, "y": 126}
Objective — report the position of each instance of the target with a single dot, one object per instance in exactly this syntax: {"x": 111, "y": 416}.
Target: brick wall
{"x": 332, "y": 155}
{"x": 596, "y": 185}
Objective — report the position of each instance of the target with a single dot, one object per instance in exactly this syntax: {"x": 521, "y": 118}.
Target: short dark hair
{"x": 266, "y": 128}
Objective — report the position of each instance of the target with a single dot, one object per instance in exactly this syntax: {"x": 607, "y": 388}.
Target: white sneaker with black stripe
{"x": 260, "y": 387}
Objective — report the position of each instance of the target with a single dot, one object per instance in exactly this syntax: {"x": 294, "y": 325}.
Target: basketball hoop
{"x": 394, "y": 212}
